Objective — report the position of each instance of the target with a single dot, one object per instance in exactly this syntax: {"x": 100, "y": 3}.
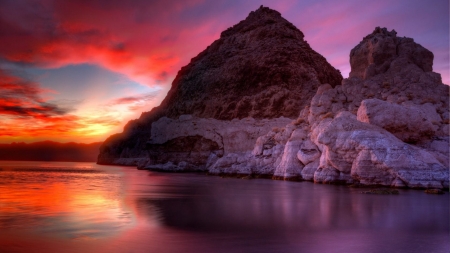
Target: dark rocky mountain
{"x": 261, "y": 67}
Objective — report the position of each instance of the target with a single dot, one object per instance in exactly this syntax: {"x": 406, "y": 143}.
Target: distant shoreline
{"x": 50, "y": 151}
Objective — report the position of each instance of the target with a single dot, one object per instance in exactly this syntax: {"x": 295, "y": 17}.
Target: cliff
{"x": 387, "y": 124}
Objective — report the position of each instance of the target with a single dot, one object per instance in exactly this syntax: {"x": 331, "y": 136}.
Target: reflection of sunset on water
{"x": 84, "y": 207}
{"x": 86, "y": 199}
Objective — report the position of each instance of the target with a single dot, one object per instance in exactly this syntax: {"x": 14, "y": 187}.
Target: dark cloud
{"x": 20, "y": 97}
{"x": 40, "y": 110}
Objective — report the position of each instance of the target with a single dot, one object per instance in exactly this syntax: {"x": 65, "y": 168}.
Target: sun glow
{"x": 93, "y": 130}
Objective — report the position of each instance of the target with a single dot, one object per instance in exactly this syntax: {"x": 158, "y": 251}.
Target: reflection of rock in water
{"x": 257, "y": 206}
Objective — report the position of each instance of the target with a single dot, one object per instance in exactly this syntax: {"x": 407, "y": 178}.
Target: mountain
{"x": 259, "y": 102}
{"x": 50, "y": 151}
{"x": 260, "y": 68}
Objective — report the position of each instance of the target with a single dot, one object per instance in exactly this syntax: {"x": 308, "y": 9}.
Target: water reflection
{"x": 70, "y": 200}
{"x": 212, "y": 204}
{"x": 83, "y": 207}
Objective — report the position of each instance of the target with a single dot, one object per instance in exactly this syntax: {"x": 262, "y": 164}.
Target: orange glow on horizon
{"x": 27, "y": 117}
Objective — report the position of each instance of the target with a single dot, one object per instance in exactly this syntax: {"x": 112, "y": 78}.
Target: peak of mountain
{"x": 260, "y": 67}
{"x": 264, "y": 16}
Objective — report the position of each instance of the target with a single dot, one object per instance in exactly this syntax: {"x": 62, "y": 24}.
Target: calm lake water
{"x": 84, "y": 207}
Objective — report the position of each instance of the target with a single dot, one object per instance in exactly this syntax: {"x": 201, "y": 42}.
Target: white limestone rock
{"x": 290, "y": 167}
{"x": 309, "y": 170}
{"x": 373, "y": 156}
{"x": 206, "y": 143}
{"x": 410, "y": 123}
{"x": 308, "y": 152}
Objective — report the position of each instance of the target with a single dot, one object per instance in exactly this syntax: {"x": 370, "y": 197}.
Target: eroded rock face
{"x": 260, "y": 68}
{"x": 195, "y": 144}
{"x": 387, "y": 125}
{"x": 290, "y": 166}
{"x": 409, "y": 123}
{"x": 373, "y": 156}
{"x": 184, "y": 153}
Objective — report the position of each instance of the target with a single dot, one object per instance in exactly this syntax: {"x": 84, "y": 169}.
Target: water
{"x": 84, "y": 207}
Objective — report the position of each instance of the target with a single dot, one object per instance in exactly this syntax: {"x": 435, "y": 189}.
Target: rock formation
{"x": 260, "y": 68}
{"x": 259, "y": 101}
{"x": 387, "y": 124}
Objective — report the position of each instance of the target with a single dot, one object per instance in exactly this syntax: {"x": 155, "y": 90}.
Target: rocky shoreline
{"x": 259, "y": 102}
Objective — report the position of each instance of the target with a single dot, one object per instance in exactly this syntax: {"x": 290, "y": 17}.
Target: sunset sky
{"x": 79, "y": 70}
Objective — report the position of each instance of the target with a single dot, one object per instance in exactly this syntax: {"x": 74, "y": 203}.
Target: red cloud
{"x": 122, "y": 36}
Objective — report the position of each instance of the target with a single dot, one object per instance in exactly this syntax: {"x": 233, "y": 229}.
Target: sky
{"x": 80, "y": 70}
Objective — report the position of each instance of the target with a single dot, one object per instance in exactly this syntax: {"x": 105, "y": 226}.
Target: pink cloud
{"x": 140, "y": 39}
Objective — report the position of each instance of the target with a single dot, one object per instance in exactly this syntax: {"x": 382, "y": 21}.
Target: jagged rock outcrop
{"x": 383, "y": 50}
{"x": 260, "y": 102}
{"x": 260, "y": 68}
{"x": 368, "y": 154}
{"x": 387, "y": 124}
{"x": 409, "y": 123}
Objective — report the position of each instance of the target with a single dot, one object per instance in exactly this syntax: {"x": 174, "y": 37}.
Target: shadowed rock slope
{"x": 260, "y": 68}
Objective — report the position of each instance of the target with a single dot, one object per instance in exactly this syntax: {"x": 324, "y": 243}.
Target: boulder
{"x": 290, "y": 167}
{"x": 409, "y": 123}
{"x": 373, "y": 156}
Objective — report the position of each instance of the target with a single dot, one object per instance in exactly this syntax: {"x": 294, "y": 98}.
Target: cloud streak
{"x": 134, "y": 99}
{"x": 21, "y": 97}
{"x": 135, "y": 103}
{"x": 24, "y": 112}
